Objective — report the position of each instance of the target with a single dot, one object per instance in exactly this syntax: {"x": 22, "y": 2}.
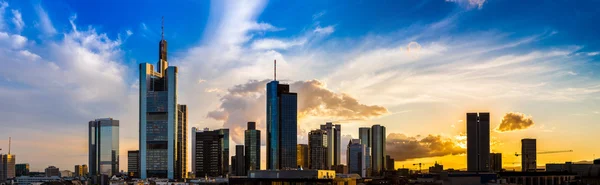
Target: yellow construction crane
{"x": 546, "y": 152}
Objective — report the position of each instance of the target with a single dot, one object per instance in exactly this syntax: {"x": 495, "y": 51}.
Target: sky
{"x": 414, "y": 66}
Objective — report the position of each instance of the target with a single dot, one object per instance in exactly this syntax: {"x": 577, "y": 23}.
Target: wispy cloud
{"x": 3, "y": 6}
{"x": 18, "y": 20}
{"x": 469, "y": 3}
{"x": 324, "y": 30}
{"x": 45, "y": 24}
{"x": 319, "y": 15}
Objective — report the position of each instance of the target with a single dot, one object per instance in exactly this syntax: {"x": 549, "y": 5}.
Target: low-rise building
{"x": 291, "y": 176}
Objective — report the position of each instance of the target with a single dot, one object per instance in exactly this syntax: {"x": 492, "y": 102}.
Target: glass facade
{"x": 252, "y": 147}
{"x": 302, "y": 155}
{"x": 282, "y": 126}
{"x": 364, "y": 134}
{"x": 208, "y": 153}
{"x": 478, "y": 141}
{"x": 355, "y": 157}
{"x": 104, "y": 147}
{"x": 22, "y": 169}
{"x": 333, "y": 141}
{"x": 317, "y": 146}
{"x": 225, "y": 150}
{"x": 378, "y": 149}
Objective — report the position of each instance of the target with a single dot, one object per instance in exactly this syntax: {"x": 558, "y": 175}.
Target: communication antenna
{"x": 275, "y": 70}
{"x": 9, "y": 145}
{"x": 162, "y": 28}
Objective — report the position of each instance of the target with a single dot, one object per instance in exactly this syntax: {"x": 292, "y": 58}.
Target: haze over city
{"x": 415, "y": 67}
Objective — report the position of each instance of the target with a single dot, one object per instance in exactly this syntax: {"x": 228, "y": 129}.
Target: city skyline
{"x": 415, "y": 75}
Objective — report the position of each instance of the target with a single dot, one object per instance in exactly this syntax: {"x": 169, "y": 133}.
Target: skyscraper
{"x": 528, "y": 154}
{"x": 355, "y": 157}
{"x": 333, "y": 143}
{"x": 252, "y": 147}
{"x": 317, "y": 144}
{"x": 302, "y": 155}
{"x": 181, "y": 160}
{"x": 239, "y": 165}
{"x": 495, "y": 162}
{"x": 208, "y": 153}
{"x": 159, "y": 114}
{"x": 364, "y": 134}
{"x": 282, "y": 126}
{"x": 389, "y": 163}
{"x": 378, "y": 149}
{"x": 7, "y": 166}
{"x": 133, "y": 163}
{"x": 22, "y": 169}
{"x": 225, "y": 150}
{"x": 104, "y": 147}
{"x": 478, "y": 141}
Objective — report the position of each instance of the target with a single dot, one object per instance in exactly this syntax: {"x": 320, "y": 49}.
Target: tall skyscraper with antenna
{"x": 282, "y": 125}
{"x": 159, "y": 127}
{"x": 7, "y": 164}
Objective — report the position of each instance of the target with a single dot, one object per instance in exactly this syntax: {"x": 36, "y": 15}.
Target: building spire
{"x": 9, "y": 145}
{"x": 162, "y": 28}
{"x": 275, "y": 70}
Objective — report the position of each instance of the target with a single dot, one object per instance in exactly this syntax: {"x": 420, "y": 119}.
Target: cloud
{"x": 469, "y": 3}
{"x": 401, "y": 147}
{"x": 266, "y": 44}
{"x": 3, "y": 6}
{"x": 45, "y": 24}
{"x": 18, "y": 20}
{"x": 319, "y": 15}
{"x": 246, "y": 102}
{"x": 593, "y": 53}
{"x": 129, "y": 32}
{"x": 513, "y": 121}
{"x": 324, "y": 30}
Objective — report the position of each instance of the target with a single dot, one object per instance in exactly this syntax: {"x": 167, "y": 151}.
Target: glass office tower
{"x": 478, "y": 141}
{"x": 378, "y": 150}
{"x": 282, "y": 126}
{"x": 333, "y": 143}
{"x": 317, "y": 149}
{"x": 252, "y": 147}
{"x": 355, "y": 157}
{"x": 104, "y": 147}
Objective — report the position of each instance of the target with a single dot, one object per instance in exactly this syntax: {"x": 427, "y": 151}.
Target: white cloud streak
{"x": 44, "y": 24}
{"x": 18, "y": 20}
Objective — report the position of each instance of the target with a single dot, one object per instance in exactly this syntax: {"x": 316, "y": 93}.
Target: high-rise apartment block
{"x": 478, "y": 141}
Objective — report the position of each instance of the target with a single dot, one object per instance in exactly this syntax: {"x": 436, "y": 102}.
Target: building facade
{"x": 52, "y": 171}
{"x": 159, "y": 125}
{"x": 80, "y": 170}
{"x": 355, "y": 157}
{"x": 317, "y": 144}
{"x": 364, "y": 134}
{"x": 378, "y": 150}
{"x": 389, "y": 163}
{"x": 238, "y": 165}
{"x": 302, "y": 155}
{"x": 333, "y": 143}
{"x": 252, "y": 147}
{"x": 528, "y": 155}
{"x": 181, "y": 160}
{"x": 478, "y": 141}
{"x": 7, "y": 167}
{"x": 495, "y": 162}
{"x": 133, "y": 163}
{"x": 22, "y": 169}
{"x": 104, "y": 147}
{"x": 208, "y": 159}
{"x": 282, "y": 126}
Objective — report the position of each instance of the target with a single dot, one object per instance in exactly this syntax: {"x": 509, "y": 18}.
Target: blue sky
{"x": 415, "y": 66}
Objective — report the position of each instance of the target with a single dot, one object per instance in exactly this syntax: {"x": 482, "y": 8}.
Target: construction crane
{"x": 420, "y": 165}
{"x": 546, "y": 152}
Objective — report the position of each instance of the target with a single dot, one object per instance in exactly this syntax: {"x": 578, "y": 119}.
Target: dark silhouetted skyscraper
{"x": 528, "y": 155}
{"x": 495, "y": 162}
{"x": 317, "y": 148}
{"x": 282, "y": 126}
{"x": 355, "y": 157}
{"x": 478, "y": 141}
{"x": 208, "y": 153}
{"x": 252, "y": 147}
{"x": 238, "y": 165}
{"x": 22, "y": 169}
{"x": 104, "y": 147}
{"x": 133, "y": 163}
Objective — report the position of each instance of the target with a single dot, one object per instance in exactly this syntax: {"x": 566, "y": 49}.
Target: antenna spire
{"x": 162, "y": 28}
{"x": 275, "y": 70}
{"x": 9, "y": 145}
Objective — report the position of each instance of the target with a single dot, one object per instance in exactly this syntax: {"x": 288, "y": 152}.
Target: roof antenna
{"x": 8, "y": 145}
{"x": 162, "y": 28}
{"x": 275, "y": 70}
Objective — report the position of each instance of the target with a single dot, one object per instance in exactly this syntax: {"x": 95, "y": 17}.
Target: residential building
{"x": 282, "y": 126}
{"x": 238, "y": 165}
{"x": 355, "y": 157}
{"x": 478, "y": 141}
{"x": 528, "y": 155}
{"x": 103, "y": 147}
{"x": 495, "y": 162}
{"x": 181, "y": 160}
{"x": 7, "y": 166}
{"x": 80, "y": 170}
{"x": 159, "y": 125}
{"x": 317, "y": 144}
{"x": 333, "y": 143}
{"x": 66, "y": 173}
{"x": 378, "y": 150}
{"x": 52, "y": 171}
{"x": 133, "y": 163}
{"x": 252, "y": 147}
{"x": 22, "y": 169}
{"x": 302, "y": 155}
{"x": 208, "y": 155}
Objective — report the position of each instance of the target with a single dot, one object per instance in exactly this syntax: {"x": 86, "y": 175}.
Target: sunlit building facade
{"x": 282, "y": 126}
{"x": 104, "y": 147}
{"x": 302, "y": 155}
{"x": 333, "y": 143}
{"x": 378, "y": 150}
{"x": 7, "y": 167}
